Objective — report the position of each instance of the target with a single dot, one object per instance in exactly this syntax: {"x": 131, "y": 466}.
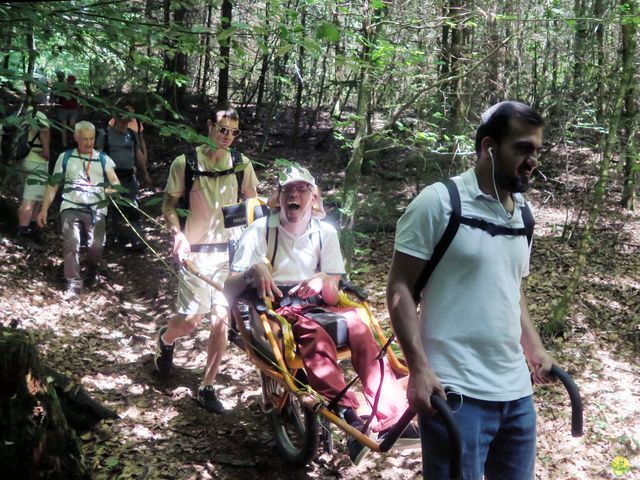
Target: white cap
{"x": 295, "y": 173}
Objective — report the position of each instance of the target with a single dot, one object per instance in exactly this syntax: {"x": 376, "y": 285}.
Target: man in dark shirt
{"x": 123, "y": 145}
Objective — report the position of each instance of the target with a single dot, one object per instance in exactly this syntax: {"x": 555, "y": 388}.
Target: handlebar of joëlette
{"x": 574, "y": 396}
{"x": 450, "y": 424}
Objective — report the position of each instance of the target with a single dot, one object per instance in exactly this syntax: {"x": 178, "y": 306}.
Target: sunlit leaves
{"x": 327, "y": 31}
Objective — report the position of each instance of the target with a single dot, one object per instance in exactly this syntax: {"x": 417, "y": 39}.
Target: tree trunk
{"x": 36, "y": 439}
{"x": 204, "y": 86}
{"x": 299, "y": 75}
{"x": 629, "y": 152}
{"x": 557, "y": 323}
{"x": 580, "y": 44}
{"x": 262, "y": 79}
{"x": 354, "y": 167}
{"x": 226, "y": 11}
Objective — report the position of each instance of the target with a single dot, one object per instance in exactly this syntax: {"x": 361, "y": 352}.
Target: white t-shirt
{"x": 85, "y": 181}
{"x": 296, "y": 258}
{"x": 470, "y": 311}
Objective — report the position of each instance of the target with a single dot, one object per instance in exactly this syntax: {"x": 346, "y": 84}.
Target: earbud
{"x": 491, "y": 152}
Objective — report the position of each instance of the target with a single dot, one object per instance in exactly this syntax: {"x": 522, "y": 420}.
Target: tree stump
{"x": 36, "y": 441}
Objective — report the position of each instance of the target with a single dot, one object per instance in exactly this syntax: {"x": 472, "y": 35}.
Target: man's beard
{"x": 513, "y": 183}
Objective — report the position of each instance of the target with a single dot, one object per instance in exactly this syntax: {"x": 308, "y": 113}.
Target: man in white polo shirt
{"x": 473, "y": 337}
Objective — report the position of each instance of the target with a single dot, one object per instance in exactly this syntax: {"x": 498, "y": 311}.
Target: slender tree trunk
{"x": 204, "y": 87}
{"x": 226, "y": 12}
{"x": 262, "y": 79}
{"x": 598, "y": 12}
{"x": 354, "y": 167}
{"x": 630, "y": 154}
{"x": 579, "y": 48}
{"x": 299, "y": 75}
{"x": 31, "y": 65}
{"x": 557, "y": 323}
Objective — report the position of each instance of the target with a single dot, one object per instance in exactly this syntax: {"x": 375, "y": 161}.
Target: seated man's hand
{"x": 311, "y": 286}
{"x": 259, "y": 276}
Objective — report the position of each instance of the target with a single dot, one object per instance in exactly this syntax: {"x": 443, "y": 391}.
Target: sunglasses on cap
{"x": 224, "y": 130}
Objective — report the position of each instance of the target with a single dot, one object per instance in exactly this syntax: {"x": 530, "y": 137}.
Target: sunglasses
{"x": 224, "y": 130}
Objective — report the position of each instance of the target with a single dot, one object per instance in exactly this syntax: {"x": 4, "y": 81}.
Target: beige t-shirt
{"x": 205, "y": 223}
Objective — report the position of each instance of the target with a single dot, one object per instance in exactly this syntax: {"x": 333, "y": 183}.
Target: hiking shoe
{"x": 208, "y": 400}
{"x": 91, "y": 279}
{"x": 73, "y": 292}
{"x": 356, "y": 450}
{"x": 409, "y": 439}
{"x": 27, "y": 239}
{"x": 164, "y": 355}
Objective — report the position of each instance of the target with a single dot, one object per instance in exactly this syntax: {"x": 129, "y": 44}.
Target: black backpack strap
{"x": 444, "y": 242}
{"x": 105, "y": 143}
{"x": 134, "y": 135}
{"x": 491, "y": 228}
{"x": 190, "y": 168}
{"x": 529, "y": 222}
{"x": 236, "y": 159}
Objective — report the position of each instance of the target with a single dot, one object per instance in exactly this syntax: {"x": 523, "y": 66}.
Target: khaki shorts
{"x": 195, "y": 296}
{"x": 35, "y": 182}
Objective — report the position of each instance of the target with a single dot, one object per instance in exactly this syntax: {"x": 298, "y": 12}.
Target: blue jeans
{"x": 498, "y": 439}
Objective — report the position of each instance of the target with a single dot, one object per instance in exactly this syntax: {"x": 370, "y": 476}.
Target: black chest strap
{"x": 455, "y": 219}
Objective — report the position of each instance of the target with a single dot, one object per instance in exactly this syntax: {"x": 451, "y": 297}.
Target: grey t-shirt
{"x": 121, "y": 147}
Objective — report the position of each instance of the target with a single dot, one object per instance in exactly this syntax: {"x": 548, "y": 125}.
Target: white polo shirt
{"x": 296, "y": 258}
{"x": 470, "y": 311}
{"x": 84, "y": 184}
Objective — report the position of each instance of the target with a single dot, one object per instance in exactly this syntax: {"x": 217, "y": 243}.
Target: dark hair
{"x": 225, "y": 112}
{"x": 124, "y": 102}
{"x": 495, "y": 121}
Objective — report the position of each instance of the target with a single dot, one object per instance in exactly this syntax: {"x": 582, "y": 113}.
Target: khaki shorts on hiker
{"x": 35, "y": 182}
{"x": 196, "y": 296}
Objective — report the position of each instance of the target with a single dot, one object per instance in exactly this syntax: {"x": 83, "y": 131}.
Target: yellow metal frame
{"x": 288, "y": 362}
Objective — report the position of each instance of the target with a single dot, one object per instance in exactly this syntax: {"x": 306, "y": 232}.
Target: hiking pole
{"x": 574, "y": 396}
{"x": 455, "y": 442}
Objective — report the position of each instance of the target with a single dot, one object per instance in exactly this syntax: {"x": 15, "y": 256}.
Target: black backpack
{"x": 455, "y": 220}
{"x": 24, "y": 146}
{"x": 191, "y": 171}
{"x": 15, "y": 137}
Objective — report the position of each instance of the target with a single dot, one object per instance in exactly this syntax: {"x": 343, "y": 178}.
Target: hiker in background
{"x": 138, "y": 127}
{"x": 69, "y": 108}
{"x": 57, "y": 87}
{"x": 222, "y": 176}
{"x": 83, "y": 172}
{"x": 34, "y": 169}
{"x": 472, "y": 337}
{"x": 124, "y": 147}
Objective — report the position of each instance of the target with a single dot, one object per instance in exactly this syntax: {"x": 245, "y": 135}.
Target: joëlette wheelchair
{"x": 300, "y": 417}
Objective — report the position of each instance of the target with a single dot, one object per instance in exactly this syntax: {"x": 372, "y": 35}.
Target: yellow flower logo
{"x": 620, "y": 466}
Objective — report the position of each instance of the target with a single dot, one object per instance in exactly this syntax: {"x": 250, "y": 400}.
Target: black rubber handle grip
{"x": 450, "y": 424}
{"x": 574, "y": 395}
